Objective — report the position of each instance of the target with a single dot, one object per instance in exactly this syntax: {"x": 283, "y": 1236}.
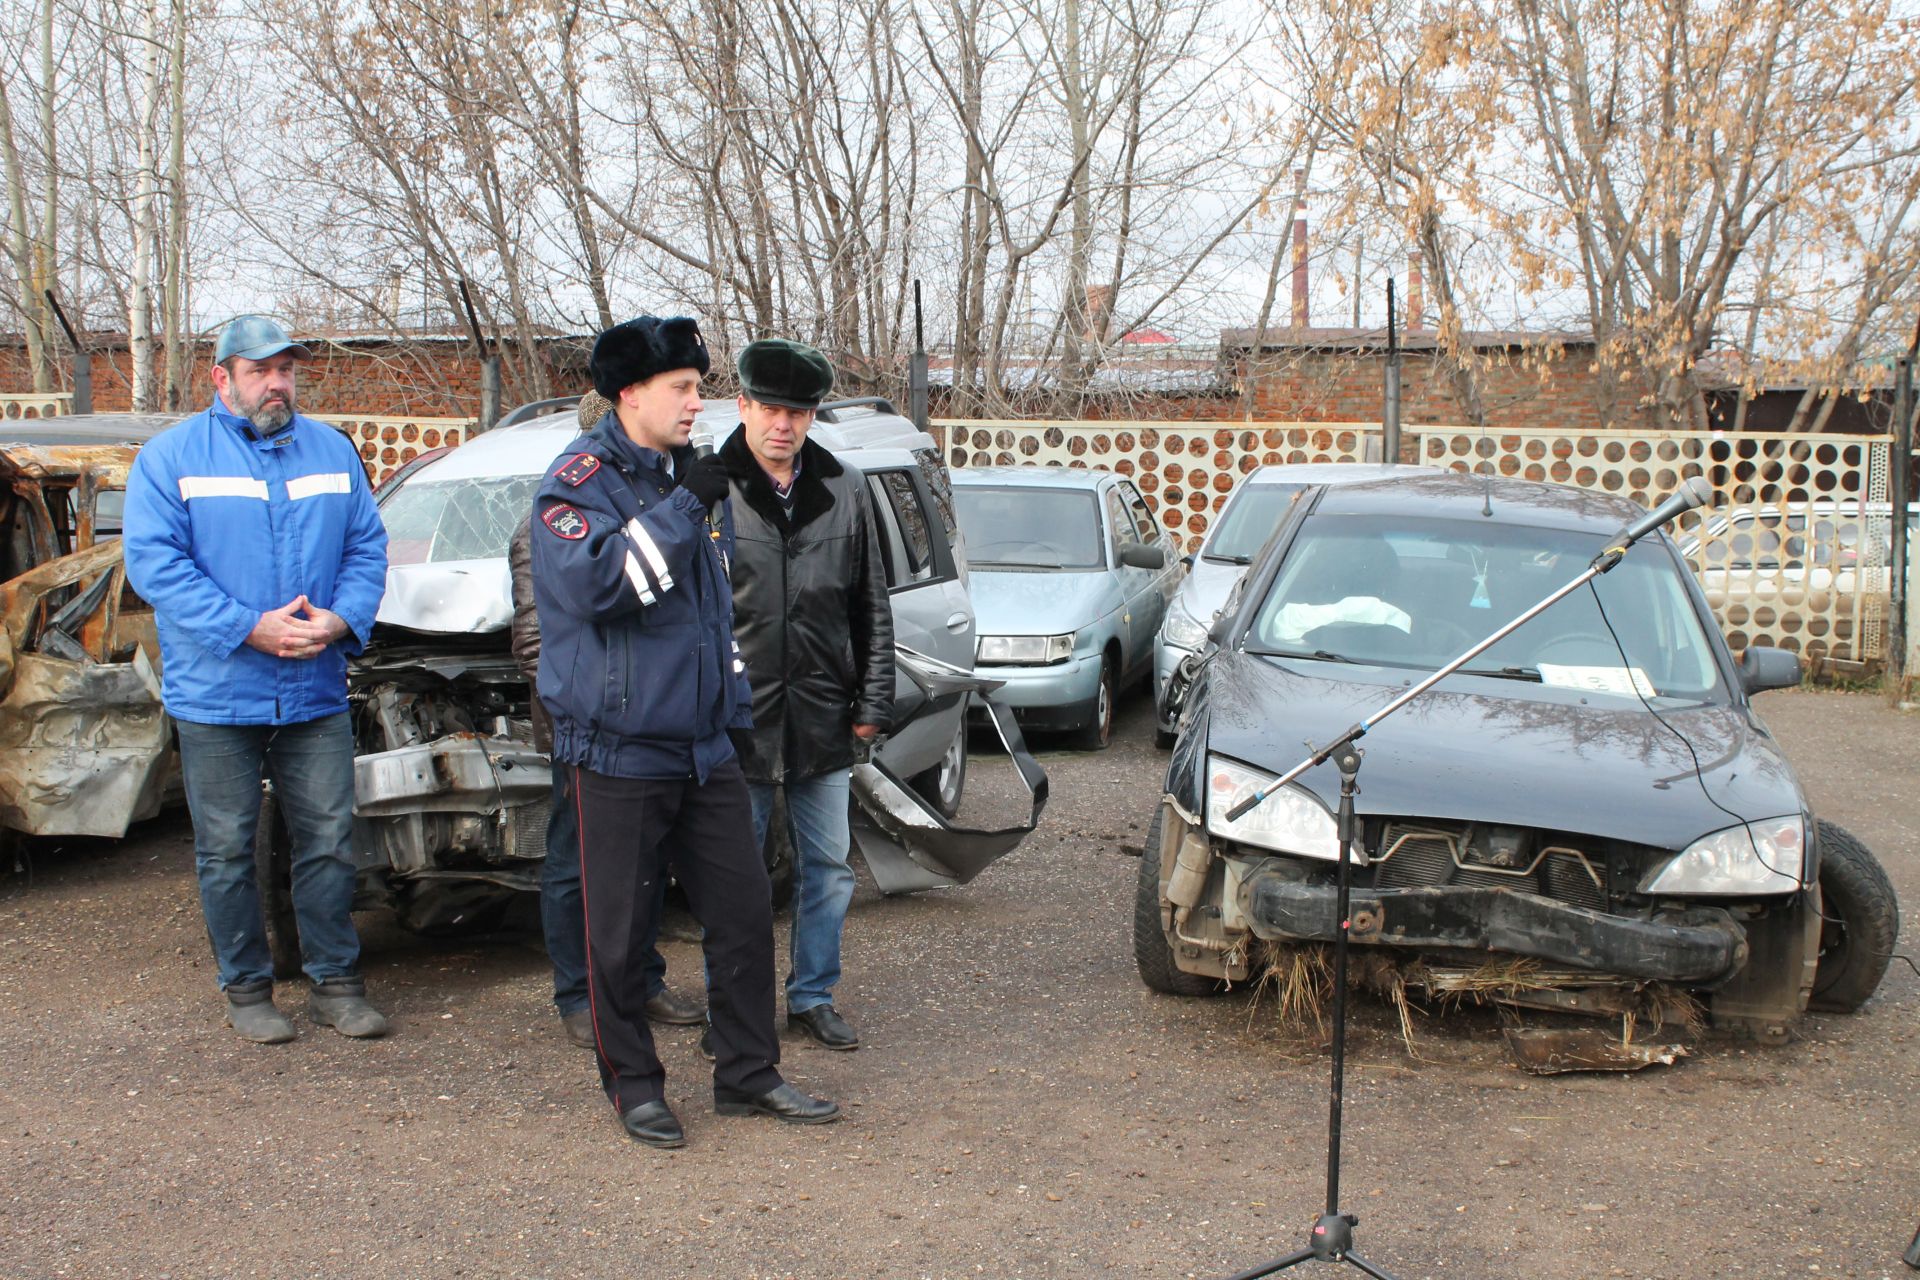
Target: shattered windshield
{"x": 472, "y": 518}
{"x": 1414, "y": 593}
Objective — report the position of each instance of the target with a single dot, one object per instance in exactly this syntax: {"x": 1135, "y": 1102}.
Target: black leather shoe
{"x": 782, "y": 1102}
{"x": 824, "y": 1026}
{"x": 673, "y": 1010}
{"x": 654, "y": 1124}
{"x": 578, "y": 1027}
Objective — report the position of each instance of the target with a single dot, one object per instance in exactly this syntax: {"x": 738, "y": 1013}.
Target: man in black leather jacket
{"x": 814, "y": 624}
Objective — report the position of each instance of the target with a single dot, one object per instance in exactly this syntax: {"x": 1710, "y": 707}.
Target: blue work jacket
{"x": 222, "y": 526}
{"x": 637, "y": 660}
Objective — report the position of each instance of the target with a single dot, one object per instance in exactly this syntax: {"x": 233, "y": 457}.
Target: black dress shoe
{"x": 782, "y": 1102}
{"x": 825, "y": 1026}
{"x": 676, "y": 1011}
{"x": 654, "y": 1124}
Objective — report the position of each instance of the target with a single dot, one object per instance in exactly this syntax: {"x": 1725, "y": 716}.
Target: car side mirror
{"x": 1762, "y": 668}
{"x": 1187, "y": 559}
{"x": 1139, "y": 555}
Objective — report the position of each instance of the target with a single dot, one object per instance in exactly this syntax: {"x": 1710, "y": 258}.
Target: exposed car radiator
{"x": 1417, "y": 855}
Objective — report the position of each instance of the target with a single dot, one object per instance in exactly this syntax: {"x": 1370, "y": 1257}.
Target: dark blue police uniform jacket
{"x": 638, "y": 665}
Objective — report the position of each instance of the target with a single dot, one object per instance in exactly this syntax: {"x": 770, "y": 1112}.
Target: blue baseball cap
{"x": 255, "y": 338}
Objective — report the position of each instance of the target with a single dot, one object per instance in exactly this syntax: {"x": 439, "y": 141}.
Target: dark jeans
{"x": 627, "y": 826}
{"x": 311, "y": 765}
{"x": 564, "y": 921}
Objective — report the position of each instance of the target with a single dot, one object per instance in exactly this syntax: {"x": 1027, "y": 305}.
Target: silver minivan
{"x": 451, "y": 797}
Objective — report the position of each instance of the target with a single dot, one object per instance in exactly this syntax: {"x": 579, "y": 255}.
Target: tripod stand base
{"x": 1330, "y": 1241}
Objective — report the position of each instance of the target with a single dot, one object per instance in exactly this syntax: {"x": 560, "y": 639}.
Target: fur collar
{"x": 811, "y": 496}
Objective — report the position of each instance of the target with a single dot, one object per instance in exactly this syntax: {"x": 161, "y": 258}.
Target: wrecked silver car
{"x": 1591, "y": 817}
{"x": 451, "y": 796}
{"x": 85, "y": 747}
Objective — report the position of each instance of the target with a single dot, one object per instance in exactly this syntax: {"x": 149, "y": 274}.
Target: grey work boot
{"x": 251, "y": 1013}
{"x": 341, "y": 1003}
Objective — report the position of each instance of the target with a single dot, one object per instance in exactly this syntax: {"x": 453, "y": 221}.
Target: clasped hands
{"x": 296, "y": 630}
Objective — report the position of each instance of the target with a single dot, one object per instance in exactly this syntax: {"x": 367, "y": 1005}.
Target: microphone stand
{"x": 1331, "y": 1239}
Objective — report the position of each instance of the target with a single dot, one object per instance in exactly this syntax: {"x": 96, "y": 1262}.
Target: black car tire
{"x": 1860, "y": 922}
{"x": 1151, "y": 953}
{"x": 778, "y": 852}
{"x": 945, "y": 785}
{"x": 1098, "y": 735}
{"x": 273, "y": 873}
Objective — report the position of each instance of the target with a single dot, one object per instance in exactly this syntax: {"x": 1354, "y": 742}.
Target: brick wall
{"x": 1558, "y": 390}
{"x": 435, "y": 379}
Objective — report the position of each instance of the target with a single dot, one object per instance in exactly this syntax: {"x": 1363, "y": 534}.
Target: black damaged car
{"x": 1589, "y": 817}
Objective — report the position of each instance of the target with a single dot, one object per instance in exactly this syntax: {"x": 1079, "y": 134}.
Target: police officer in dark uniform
{"x": 648, "y": 696}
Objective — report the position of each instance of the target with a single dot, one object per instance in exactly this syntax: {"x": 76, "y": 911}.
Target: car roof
{"x": 1327, "y": 472}
{"x": 1033, "y": 476}
{"x": 530, "y": 447}
{"x": 86, "y": 428}
{"x": 1456, "y": 495}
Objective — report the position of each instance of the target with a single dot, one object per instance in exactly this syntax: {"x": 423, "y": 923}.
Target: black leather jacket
{"x": 810, "y": 612}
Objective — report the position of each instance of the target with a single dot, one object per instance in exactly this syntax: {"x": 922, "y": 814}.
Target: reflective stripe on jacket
{"x": 222, "y": 526}
{"x": 638, "y": 667}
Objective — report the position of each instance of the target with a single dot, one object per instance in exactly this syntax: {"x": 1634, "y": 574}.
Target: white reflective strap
{"x": 318, "y": 483}
{"x": 655, "y": 561}
{"x": 739, "y": 666}
{"x": 192, "y": 487}
{"x": 638, "y": 577}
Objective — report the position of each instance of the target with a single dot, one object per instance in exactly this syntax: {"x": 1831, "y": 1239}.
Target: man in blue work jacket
{"x": 252, "y": 532}
{"x": 639, "y": 670}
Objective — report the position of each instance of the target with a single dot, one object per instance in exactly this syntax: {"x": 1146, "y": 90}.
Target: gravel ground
{"x": 1022, "y": 1106}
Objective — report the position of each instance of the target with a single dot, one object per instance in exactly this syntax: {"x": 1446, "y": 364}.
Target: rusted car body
{"x": 85, "y": 747}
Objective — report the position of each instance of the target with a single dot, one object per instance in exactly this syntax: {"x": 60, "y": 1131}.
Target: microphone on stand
{"x": 1695, "y": 492}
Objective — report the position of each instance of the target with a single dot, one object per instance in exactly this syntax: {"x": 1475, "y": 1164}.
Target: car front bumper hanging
{"x": 1701, "y": 945}
{"x": 907, "y": 844}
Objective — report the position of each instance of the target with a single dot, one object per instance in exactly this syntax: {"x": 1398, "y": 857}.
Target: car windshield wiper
{"x": 1318, "y": 655}
{"x": 1503, "y": 673}
{"x": 1219, "y": 559}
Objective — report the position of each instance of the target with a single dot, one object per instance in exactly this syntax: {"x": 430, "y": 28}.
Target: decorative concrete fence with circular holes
{"x": 387, "y": 444}
{"x": 1792, "y": 553}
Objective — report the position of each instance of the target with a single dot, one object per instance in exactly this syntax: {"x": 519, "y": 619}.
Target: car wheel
{"x": 1860, "y": 922}
{"x": 943, "y": 785}
{"x": 1151, "y": 954}
{"x": 1099, "y": 734}
{"x": 273, "y": 873}
{"x": 778, "y": 852}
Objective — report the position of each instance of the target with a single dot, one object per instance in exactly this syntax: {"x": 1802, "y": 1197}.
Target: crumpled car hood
{"x": 457, "y": 596}
{"x": 1523, "y": 755}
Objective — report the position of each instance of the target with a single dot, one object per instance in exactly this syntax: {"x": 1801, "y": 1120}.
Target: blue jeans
{"x": 822, "y": 884}
{"x": 311, "y": 765}
{"x": 563, "y": 917}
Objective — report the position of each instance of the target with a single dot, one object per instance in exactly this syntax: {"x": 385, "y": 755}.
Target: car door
{"x": 932, "y": 616}
{"x": 1144, "y": 591}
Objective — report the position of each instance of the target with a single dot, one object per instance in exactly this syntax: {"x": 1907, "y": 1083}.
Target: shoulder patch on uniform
{"x": 578, "y": 468}
{"x": 565, "y": 521}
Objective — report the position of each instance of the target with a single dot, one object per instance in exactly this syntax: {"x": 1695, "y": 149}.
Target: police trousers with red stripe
{"x": 630, "y": 830}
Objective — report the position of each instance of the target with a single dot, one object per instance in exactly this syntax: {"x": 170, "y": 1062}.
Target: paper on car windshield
{"x": 1625, "y": 681}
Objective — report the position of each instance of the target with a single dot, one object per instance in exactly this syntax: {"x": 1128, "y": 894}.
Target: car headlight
{"x": 1754, "y": 857}
{"x": 1182, "y": 630}
{"x": 1029, "y": 651}
{"x": 1288, "y": 821}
